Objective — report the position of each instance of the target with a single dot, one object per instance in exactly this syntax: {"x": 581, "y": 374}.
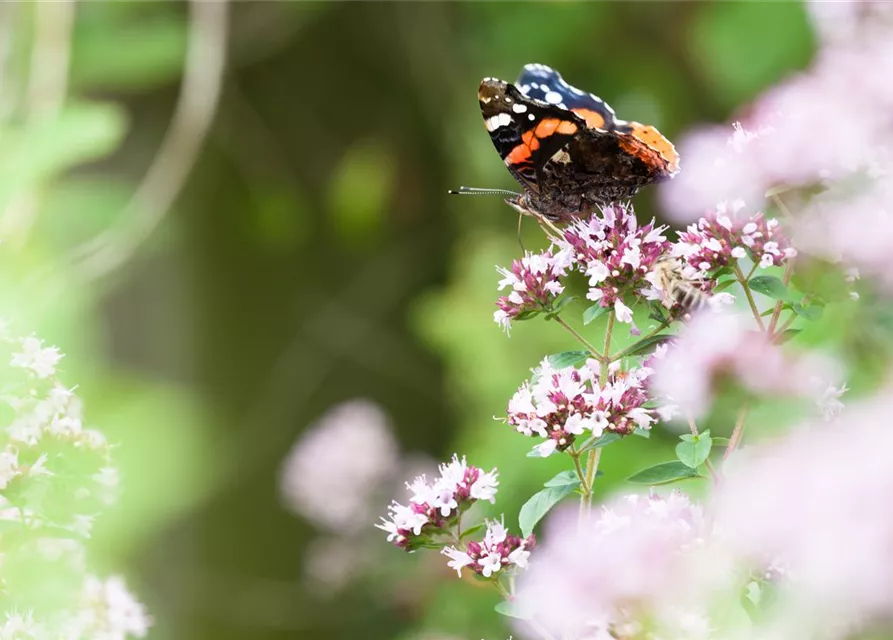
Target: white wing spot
{"x": 499, "y": 120}
{"x": 531, "y": 117}
{"x": 519, "y": 108}
{"x": 553, "y": 97}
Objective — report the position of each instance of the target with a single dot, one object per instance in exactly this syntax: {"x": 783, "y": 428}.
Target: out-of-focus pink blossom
{"x": 498, "y": 551}
{"x": 818, "y": 500}
{"x": 627, "y": 554}
{"x": 337, "y": 466}
{"x": 534, "y": 283}
{"x": 560, "y": 404}
{"x": 717, "y": 344}
{"x": 615, "y": 253}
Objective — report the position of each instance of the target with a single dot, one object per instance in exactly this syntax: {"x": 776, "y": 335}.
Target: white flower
{"x": 624, "y": 313}
{"x": 41, "y": 361}
{"x": 458, "y": 559}
{"x": 112, "y": 612}
{"x": 484, "y": 488}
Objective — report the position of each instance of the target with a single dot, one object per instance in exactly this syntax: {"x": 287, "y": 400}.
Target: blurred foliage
{"x": 314, "y": 257}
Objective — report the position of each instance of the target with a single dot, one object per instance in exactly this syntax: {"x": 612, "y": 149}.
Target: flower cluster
{"x": 435, "y": 507}
{"x": 560, "y": 404}
{"x": 534, "y": 281}
{"x": 714, "y": 346}
{"x": 724, "y": 235}
{"x": 608, "y": 563}
{"x": 615, "y": 253}
{"x": 56, "y": 477}
{"x": 497, "y": 551}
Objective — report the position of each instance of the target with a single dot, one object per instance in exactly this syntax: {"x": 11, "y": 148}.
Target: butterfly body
{"x": 566, "y": 147}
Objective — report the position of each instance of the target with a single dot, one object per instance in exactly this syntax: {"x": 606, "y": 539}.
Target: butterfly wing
{"x": 542, "y": 83}
{"x": 525, "y": 132}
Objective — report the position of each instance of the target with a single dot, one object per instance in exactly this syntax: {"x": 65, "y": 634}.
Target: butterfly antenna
{"x": 475, "y": 191}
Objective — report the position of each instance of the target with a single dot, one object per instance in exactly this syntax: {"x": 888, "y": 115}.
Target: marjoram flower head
{"x": 615, "y": 253}
{"x": 534, "y": 281}
{"x": 56, "y": 477}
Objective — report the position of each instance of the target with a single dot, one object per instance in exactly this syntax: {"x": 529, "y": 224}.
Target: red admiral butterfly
{"x": 565, "y": 146}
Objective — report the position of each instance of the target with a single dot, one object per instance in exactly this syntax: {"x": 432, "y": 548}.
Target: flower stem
{"x": 780, "y": 331}
{"x": 580, "y": 338}
{"x": 584, "y": 486}
{"x": 591, "y": 469}
{"x": 738, "y": 432}
{"x": 749, "y": 295}
{"x": 606, "y": 360}
{"x": 786, "y": 279}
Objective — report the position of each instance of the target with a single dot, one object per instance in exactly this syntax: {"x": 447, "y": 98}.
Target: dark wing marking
{"x": 539, "y": 82}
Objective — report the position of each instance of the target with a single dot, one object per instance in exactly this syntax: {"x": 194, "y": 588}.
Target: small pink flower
{"x": 559, "y": 405}
{"x": 534, "y": 282}
{"x": 615, "y": 253}
{"x": 498, "y": 551}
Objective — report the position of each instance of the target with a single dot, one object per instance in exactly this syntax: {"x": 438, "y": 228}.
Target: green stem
{"x": 786, "y": 279}
{"x": 753, "y": 305}
{"x": 580, "y": 338}
{"x": 591, "y": 469}
{"x": 584, "y": 486}
{"x": 606, "y": 360}
{"x": 738, "y": 432}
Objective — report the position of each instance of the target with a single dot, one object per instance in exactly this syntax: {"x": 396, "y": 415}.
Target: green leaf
{"x": 693, "y": 453}
{"x": 369, "y": 167}
{"x": 642, "y": 433}
{"x": 664, "y": 473}
{"x": 645, "y": 344}
{"x": 770, "y": 286}
{"x": 600, "y": 441}
{"x": 564, "y": 479}
{"x": 789, "y": 334}
{"x": 810, "y": 313}
{"x": 568, "y": 359}
{"x": 558, "y": 305}
{"x": 471, "y": 530}
{"x": 506, "y": 608}
{"x": 722, "y": 286}
{"x": 526, "y": 315}
{"x": 721, "y": 442}
{"x": 539, "y": 505}
{"x": 594, "y": 312}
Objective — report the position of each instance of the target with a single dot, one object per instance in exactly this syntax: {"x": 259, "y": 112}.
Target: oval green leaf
{"x": 594, "y": 312}
{"x": 568, "y": 359}
{"x": 539, "y": 505}
{"x": 770, "y": 286}
{"x": 564, "y": 479}
{"x": 664, "y": 473}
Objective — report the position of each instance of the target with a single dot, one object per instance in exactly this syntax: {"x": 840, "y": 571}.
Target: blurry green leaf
{"x": 722, "y": 286}
{"x": 810, "y": 313}
{"x": 664, "y": 473}
{"x": 642, "y": 433}
{"x": 770, "y": 286}
{"x": 789, "y": 334}
{"x": 78, "y": 208}
{"x": 742, "y": 47}
{"x": 282, "y": 217}
{"x": 526, "y": 315}
{"x": 645, "y": 344}
{"x": 360, "y": 191}
{"x": 721, "y": 442}
{"x": 506, "y": 608}
{"x": 539, "y": 505}
{"x": 600, "y": 441}
{"x": 564, "y": 479}
{"x": 568, "y": 359}
{"x": 693, "y": 452}
{"x": 471, "y": 531}
{"x": 118, "y": 50}
{"x": 79, "y": 133}
{"x": 594, "y": 312}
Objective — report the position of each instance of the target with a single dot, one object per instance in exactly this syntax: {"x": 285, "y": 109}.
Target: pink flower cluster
{"x": 724, "y": 235}
{"x": 615, "y": 253}
{"x": 434, "y": 507}
{"x": 534, "y": 283}
{"x": 606, "y": 565}
{"x": 560, "y": 404}
{"x": 497, "y": 551}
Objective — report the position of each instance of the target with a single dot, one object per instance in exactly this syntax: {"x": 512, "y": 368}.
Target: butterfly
{"x": 566, "y": 147}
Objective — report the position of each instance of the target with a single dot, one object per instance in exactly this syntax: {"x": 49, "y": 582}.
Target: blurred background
{"x": 233, "y": 220}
